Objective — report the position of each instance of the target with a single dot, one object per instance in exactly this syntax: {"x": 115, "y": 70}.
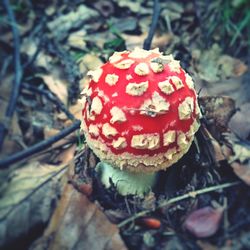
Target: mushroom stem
{"x": 126, "y": 183}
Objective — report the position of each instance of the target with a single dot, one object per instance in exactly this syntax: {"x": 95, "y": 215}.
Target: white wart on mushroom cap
{"x": 140, "y": 111}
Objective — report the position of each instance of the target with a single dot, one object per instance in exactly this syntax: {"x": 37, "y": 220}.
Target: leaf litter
{"x": 71, "y": 39}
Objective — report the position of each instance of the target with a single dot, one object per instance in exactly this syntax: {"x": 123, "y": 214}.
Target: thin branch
{"x": 6, "y": 162}
{"x": 156, "y": 14}
{"x": 191, "y": 194}
{"x": 33, "y": 57}
{"x": 36, "y": 32}
{"x": 18, "y": 73}
{"x": 52, "y": 97}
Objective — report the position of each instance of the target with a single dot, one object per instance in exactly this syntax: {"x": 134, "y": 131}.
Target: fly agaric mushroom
{"x": 140, "y": 114}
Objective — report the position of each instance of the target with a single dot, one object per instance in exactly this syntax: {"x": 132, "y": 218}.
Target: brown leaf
{"x": 91, "y": 61}
{"x": 57, "y": 86}
{"x": 240, "y": 122}
{"x": 14, "y": 134}
{"x": 76, "y": 40}
{"x": 66, "y": 155}
{"x": 76, "y": 110}
{"x": 79, "y": 224}
{"x": 213, "y": 66}
{"x": 106, "y": 8}
{"x": 137, "y": 41}
{"x": 50, "y": 132}
{"x": 204, "y": 222}
{"x": 217, "y": 111}
{"x": 242, "y": 171}
{"x": 239, "y": 68}
{"x": 218, "y": 153}
{"x": 61, "y": 25}
{"x": 240, "y": 159}
{"x": 26, "y": 202}
{"x": 13, "y": 139}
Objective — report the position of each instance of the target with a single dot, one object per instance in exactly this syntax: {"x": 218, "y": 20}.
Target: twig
{"x": 38, "y": 32}
{"x": 156, "y": 14}
{"x": 18, "y": 73}
{"x": 4, "y": 163}
{"x": 33, "y": 57}
{"x": 5, "y": 65}
{"x": 191, "y": 194}
{"x": 52, "y": 97}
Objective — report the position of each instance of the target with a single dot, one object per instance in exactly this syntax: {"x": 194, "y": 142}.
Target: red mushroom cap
{"x": 140, "y": 111}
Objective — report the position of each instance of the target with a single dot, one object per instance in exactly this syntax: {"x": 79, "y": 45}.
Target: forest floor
{"x": 50, "y": 196}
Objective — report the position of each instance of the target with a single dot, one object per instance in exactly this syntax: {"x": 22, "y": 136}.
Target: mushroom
{"x": 140, "y": 114}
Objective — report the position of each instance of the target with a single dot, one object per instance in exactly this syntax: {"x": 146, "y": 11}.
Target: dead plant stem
{"x": 191, "y": 194}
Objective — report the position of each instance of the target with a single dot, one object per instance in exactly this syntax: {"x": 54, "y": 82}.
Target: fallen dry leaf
{"x": 203, "y": 222}
{"x": 49, "y": 132}
{"x": 242, "y": 171}
{"x": 79, "y": 224}
{"x": 217, "y": 111}
{"x": 76, "y": 110}
{"x": 91, "y": 61}
{"x": 43, "y": 59}
{"x": 159, "y": 40}
{"x": 240, "y": 159}
{"x": 57, "y": 86}
{"x": 61, "y": 25}
{"x": 13, "y": 138}
{"x": 211, "y": 65}
{"x": 240, "y": 122}
{"x": 218, "y": 153}
{"x": 66, "y": 155}
{"x": 76, "y": 40}
{"x": 26, "y": 202}
{"x": 134, "y": 6}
